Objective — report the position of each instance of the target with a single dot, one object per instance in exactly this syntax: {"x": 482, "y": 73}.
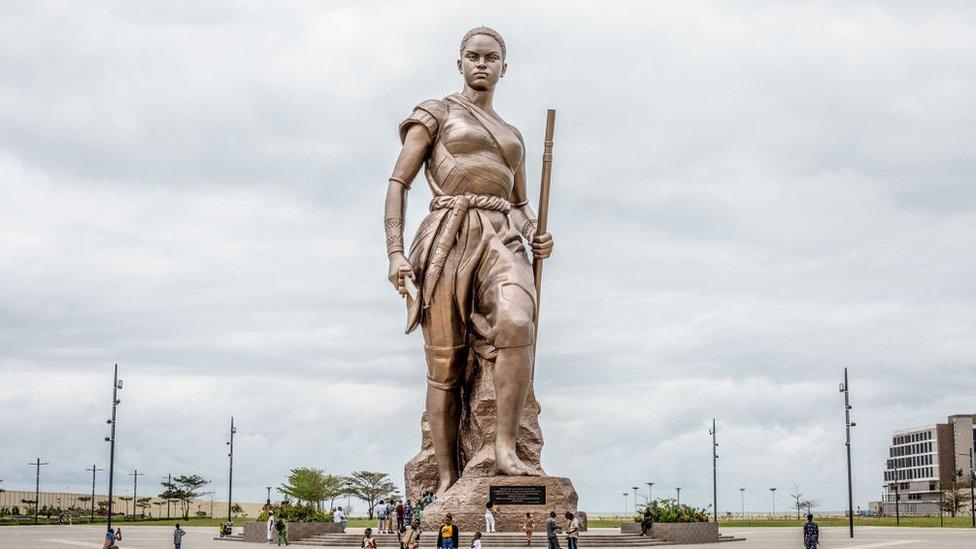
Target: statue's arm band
{"x": 520, "y": 204}
{"x": 394, "y": 234}
{"x": 401, "y": 182}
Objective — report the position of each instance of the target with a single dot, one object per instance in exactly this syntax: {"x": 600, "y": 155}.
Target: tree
{"x": 307, "y": 485}
{"x": 143, "y": 503}
{"x": 127, "y": 499}
{"x": 370, "y": 487}
{"x": 335, "y": 486}
{"x": 953, "y": 499}
{"x": 184, "y": 489}
{"x": 796, "y": 495}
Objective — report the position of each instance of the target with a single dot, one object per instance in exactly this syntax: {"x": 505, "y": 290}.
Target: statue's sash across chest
{"x": 464, "y": 136}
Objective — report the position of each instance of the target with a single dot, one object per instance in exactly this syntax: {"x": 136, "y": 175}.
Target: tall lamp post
{"x": 714, "y": 471}
{"x": 625, "y": 503}
{"x": 230, "y": 475}
{"x": 773, "y": 492}
{"x": 678, "y": 490}
{"x": 37, "y": 484}
{"x": 93, "y": 470}
{"x": 269, "y": 494}
{"x": 634, "y": 488}
{"x": 116, "y": 386}
{"x": 650, "y": 491}
{"x": 135, "y": 489}
{"x": 845, "y": 388}
{"x": 742, "y": 497}
{"x": 897, "y": 495}
{"x": 972, "y": 477}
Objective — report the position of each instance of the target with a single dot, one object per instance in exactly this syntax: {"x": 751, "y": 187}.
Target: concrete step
{"x": 487, "y": 540}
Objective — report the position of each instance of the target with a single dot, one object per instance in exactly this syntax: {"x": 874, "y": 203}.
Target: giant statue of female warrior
{"x": 477, "y": 297}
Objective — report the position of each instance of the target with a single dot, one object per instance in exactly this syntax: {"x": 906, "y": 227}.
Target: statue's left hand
{"x": 542, "y": 245}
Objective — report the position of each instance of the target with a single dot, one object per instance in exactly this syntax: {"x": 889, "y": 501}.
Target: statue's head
{"x": 482, "y": 60}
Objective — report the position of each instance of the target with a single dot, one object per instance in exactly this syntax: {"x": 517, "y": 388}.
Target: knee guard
{"x": 445, "y": 366}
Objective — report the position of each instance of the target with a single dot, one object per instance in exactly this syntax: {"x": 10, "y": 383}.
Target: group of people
{"x": 394, "y": 516}
{"x": 277, "y": 529}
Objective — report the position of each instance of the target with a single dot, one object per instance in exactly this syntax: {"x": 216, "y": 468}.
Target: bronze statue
{"x": 467, "y": 279}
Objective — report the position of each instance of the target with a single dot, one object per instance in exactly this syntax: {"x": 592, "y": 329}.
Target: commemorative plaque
{"x": 517, "y": 495}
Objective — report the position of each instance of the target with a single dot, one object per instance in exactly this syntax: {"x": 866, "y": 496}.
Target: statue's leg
{"x": 444, "y": 368}
{"x": 513, "y": 373}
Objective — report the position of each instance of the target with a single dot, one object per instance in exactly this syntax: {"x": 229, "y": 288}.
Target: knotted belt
{"x": 459, "y": 206}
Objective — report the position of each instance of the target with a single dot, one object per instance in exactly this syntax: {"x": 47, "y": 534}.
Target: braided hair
{"x": 487, "y": 31}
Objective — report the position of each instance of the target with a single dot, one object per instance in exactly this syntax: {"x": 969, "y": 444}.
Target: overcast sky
{"x": 747, "y": 197}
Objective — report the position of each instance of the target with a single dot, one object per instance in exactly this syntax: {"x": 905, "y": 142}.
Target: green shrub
{"x": 296, "y": 513}
{"x": 669, "y": 510}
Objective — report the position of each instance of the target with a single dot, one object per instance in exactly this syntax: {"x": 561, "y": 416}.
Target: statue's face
{"x": 481, "y": 62}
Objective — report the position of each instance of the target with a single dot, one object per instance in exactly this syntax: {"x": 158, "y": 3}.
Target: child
{"x": 476, "y": 542}
{"x": 528, "y": 527}
{"x": 369, "y": 542}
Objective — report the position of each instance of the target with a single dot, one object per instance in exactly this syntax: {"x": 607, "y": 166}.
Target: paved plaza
{"x": 146, "y": 537}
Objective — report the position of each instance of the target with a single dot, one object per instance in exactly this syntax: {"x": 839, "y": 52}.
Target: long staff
{"x": 543, "y": 208}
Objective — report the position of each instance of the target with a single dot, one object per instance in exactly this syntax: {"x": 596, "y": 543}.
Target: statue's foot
{"x": 445, "y": 483}
{"x": 508, "y": 463}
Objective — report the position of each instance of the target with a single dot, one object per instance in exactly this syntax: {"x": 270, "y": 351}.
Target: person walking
{"x": 411, "y": 538}
{"x": 447, "y": 538}
{"x": 489, "y": 518}
{"x": 572, "y": 530}
{"x": 282, "y": 530}
{"x": 271, "y": 523}
{"x": 380, "y": 516}
{"x": 178, "y": 534}
{"x": 400, "y": 517}
{"x": 408, "y": 513}
{"x": 339, "y": 517}
{"x": 476, "y": 542}
{"x": 118, "y": 535}
{"x": 552, "y": 531}
{"x": 369, "y": 542}
{"x": 811, "y": 533}
{"x": 647, "y": 521}
{"x": 390, "y": 511}
{"x": 528, "y": 527}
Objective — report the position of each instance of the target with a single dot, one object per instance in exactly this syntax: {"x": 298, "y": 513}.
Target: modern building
{"x": 923, "y": 461}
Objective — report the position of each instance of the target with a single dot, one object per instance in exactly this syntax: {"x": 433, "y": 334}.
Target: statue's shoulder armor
{"x": 429, "y": 114}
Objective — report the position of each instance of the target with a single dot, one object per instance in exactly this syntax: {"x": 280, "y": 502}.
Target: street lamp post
{"x": 742, "y": 496}
{"x": 678, "y": 490}
{"x": 135, "y": 487}
{"x": 116, "y": 386}
{"x": 625, "y": 503}
{"x": 773, "y": 492}
{"x": 897, "y": 495}
{"x": 93, "y": 470}
{"x": 37, "y": 484}
{"x": 634, "y": 488}
{"x": 845, "y": 388}
{"x": 269, "y": 494}
{"x": 972, "y": 478}
{"x": 714, "y": 471}
{"x": 230, "y": 475}
{"x": 650, "y": 491}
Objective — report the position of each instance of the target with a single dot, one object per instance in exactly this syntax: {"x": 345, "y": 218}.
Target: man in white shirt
{"x": 270, "y": 527}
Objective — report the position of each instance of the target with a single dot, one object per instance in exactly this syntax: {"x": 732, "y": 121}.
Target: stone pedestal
{"x": 476, "y": 451}
{"x": 467, "y": 498}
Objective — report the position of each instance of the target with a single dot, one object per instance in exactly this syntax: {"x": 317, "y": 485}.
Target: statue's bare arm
{"x": 525, "y": 219}
{"x": 408, "y": 164}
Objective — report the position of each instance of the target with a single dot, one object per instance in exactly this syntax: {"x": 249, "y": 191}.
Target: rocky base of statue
{"x": 466, "y": 503}
{"x": 477, "y": 434}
